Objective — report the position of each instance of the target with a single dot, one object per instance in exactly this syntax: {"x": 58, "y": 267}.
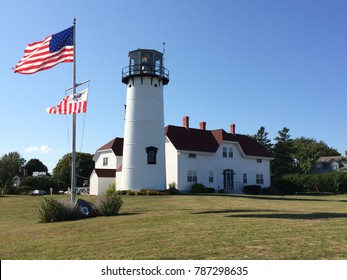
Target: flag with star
{"x": 47, "y": 53}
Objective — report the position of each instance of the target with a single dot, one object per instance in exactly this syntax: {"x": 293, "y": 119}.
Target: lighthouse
{"x": 143, "y": 165}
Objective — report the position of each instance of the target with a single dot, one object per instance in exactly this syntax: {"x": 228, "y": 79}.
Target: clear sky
{"x": 271, "y": 63}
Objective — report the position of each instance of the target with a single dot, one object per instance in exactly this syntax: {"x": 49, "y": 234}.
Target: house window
{"x": 210, "y": 177}
{"x": 225, "y": 152}
{"x": 105, "y": 161}
{"x": 259, "y": 160}
{"x": 191, "y": 155}
{"x": 260, "y": 179}
{"x": 192, "y": 176}
{"x": 231, "y": 153}
{"x": 151, "y": 155}
{"x": 244, "y": 178}
{"x": 228, "y": 152}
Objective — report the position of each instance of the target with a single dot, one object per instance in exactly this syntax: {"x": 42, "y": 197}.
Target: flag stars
{"x": 61, "y": 39}
{"x": 46, "y": 54}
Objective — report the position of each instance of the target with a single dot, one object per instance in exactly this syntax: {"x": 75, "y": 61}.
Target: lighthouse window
{"x": 151, "y": 155}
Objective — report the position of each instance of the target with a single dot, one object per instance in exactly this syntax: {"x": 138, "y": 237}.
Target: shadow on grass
{"x": 277, "y": 198}
{"x": 224, "y": 211}
{"x": 129, "y": 214}
{"x": 274, "y": 197}
{"x": 293, "y": 216}
{"x": 267, "y": 197}
{"x": 273, "y": 214}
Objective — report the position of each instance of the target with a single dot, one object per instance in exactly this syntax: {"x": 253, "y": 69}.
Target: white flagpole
{"x": 73, "y": 160}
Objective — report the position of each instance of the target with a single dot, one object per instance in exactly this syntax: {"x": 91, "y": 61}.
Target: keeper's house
{"x": 214, "y": 158}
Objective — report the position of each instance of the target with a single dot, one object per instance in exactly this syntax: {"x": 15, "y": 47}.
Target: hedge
{"x": 335, "y": 182}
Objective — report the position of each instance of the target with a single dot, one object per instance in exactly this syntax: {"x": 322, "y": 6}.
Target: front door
{"x": 228, "y": 177}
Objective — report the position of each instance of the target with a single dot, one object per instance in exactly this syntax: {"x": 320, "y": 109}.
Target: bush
{"x": 173, "y": 185}
{"x": 51, "y": 210}
{"x": 334, "y": 182}
{"x": 271, "y": 191}
{"x": 22, "y": 190}
{"x": 111, "y": 203}
{"x": 198, "y": 188}
{"x": 251, "y": 189}
{"x": 172, "y": 191}
{"x": 41, "y": 183}
{"x": 288, "y": 187}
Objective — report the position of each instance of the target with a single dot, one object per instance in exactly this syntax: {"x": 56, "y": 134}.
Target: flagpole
{"x": 73, "y": 160}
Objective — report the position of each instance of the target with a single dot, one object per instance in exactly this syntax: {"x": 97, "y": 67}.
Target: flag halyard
{"x": 47, "y": 53}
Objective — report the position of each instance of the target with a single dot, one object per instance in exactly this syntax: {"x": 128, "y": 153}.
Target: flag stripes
{"x": 47, "y": 53}
{"x": 71, "y": 104}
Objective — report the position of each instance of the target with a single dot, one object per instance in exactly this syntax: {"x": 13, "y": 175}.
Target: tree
{"x": 35, "y": 165}
{"x": 41, "y": 183}
{"x": 306, "y": 152}
{"x": 11, "y": 164}
{"x": 283, "y": 162}
{"x": 261, "y": 137}
{"x": 84, "y": 167}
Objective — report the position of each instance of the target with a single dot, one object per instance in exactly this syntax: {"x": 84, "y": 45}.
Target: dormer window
{"x": 228, "y": 152}
{"x": 225, "y": 152}
{"x": 151, "y": 155}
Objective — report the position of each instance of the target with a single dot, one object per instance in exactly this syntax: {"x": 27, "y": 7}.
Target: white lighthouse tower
{"x": 143, "y": 164}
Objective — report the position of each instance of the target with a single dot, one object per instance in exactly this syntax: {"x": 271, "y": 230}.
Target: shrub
{"x": 66, "y": 211}
{"x": 271, "y": 191}
{"x": 172, "y": 190}
{"x": 335, "y": 182}
{"x": 51, "y": 210}
{"x": 288, "y": 187}
{"x": 123, "y": 192}
{"x": 41, "y": 183}
{"x": 111, "y": 203}
{"x": 22, "y": 190}
{"x": 173, "y": 185}
{"x": 143, "y": 192}
{"x": 251, "y": 189}
{"x": 198, "y": 188}
{"x": 130, "y": 192}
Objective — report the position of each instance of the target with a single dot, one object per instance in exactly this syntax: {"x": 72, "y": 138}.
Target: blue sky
{"x": 271, "y": 63}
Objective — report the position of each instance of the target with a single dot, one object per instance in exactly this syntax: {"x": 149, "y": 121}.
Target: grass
{"x": 183, "y": 227}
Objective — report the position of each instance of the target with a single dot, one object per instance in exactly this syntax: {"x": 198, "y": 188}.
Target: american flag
{"x": 45, "y": 54}
{"x": 71, "y": 104}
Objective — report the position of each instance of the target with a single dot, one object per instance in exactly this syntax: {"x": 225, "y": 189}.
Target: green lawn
{"x": 183, "y": 227}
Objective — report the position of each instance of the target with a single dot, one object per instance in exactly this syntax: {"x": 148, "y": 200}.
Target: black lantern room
{"x": 144, "y": 62}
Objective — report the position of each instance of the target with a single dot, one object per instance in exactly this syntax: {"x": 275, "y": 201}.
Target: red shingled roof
{"x": 116, "y": 145}
{"x": 105, "y": 172}
{"x": 191, "y": 139}
{"x": 199, "y": 140}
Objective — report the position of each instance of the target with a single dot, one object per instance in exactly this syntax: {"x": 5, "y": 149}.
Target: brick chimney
{"x": 186, "y": 121}
{"x": 203, "y": 125}
{"x": 232, "y": 128}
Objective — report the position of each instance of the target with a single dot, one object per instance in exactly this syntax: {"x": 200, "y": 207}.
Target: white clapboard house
{"x": 214, "y": 158}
